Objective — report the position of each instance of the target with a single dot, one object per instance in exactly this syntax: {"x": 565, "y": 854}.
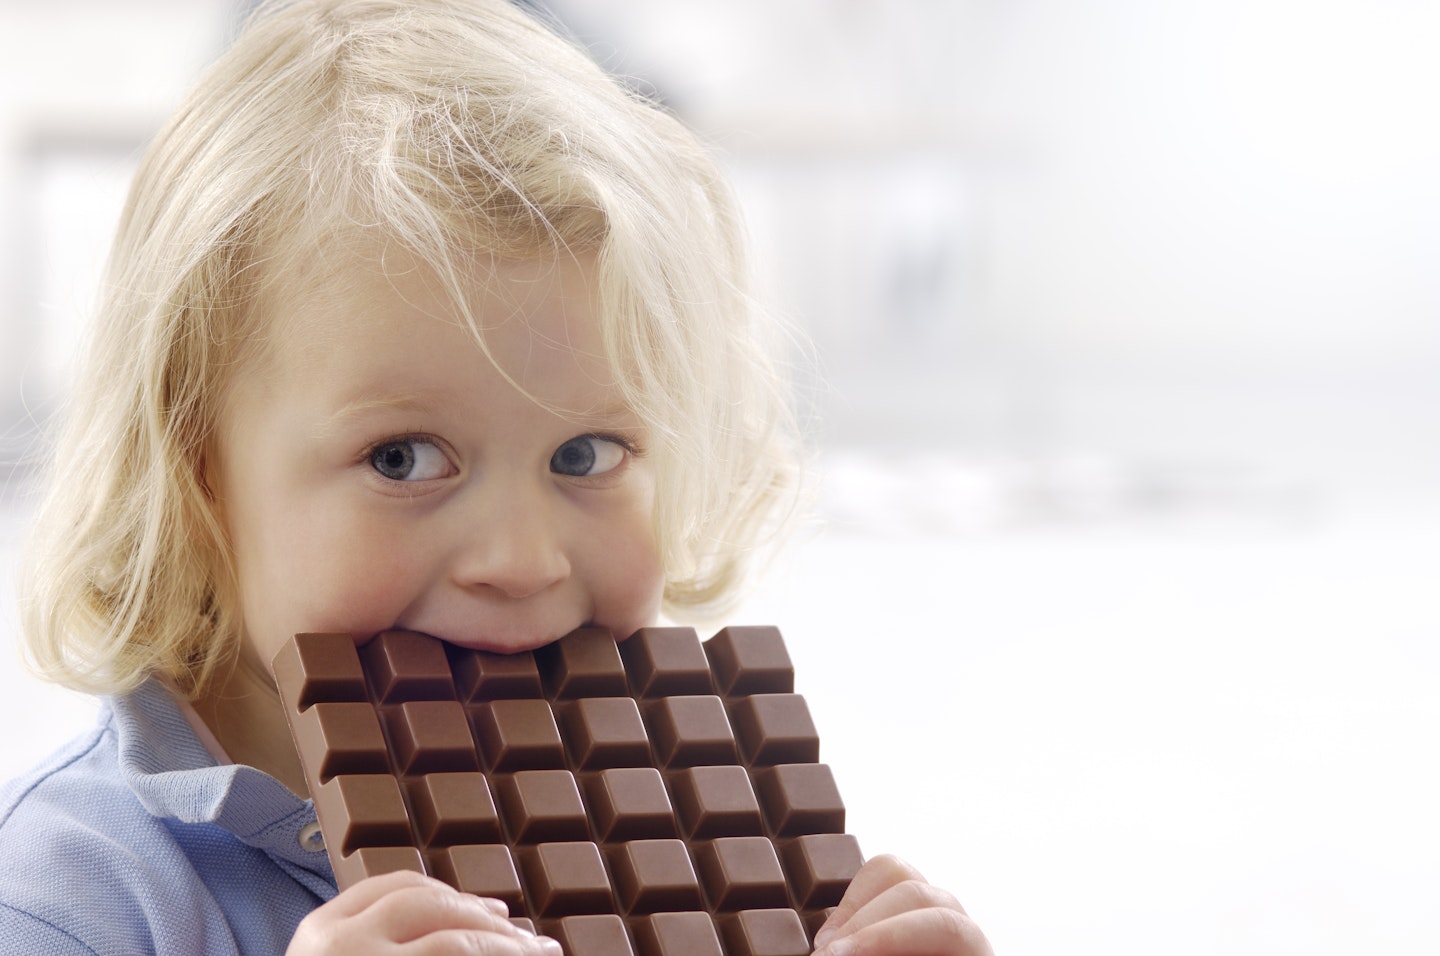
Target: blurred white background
{"x": 1120, "y": 617}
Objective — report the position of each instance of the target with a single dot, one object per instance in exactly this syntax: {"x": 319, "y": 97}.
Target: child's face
{"x": 376, "y": 471}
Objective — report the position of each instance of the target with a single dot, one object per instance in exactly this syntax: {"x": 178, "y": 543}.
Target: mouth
{"x": 494, "y": 640}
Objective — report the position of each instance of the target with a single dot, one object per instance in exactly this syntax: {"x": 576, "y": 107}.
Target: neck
{"x": 244, "y": 712}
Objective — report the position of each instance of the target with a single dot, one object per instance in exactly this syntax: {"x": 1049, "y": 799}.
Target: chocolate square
{"x": 657, "y": 797}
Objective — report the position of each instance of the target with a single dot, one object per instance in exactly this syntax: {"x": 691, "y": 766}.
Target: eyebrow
{"x": 404, "y": 402}
{"x": 611, "y": 412}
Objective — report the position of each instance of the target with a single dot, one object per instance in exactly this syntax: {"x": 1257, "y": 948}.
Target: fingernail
{"x": 548, "y": 946}
{"x": 841, "y": 947}
{"x": 498, "y": 907}
{"x": 832, "y": 925}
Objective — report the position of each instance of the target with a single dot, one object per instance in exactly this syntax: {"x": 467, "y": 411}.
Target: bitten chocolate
{"x": 658, "y": 797}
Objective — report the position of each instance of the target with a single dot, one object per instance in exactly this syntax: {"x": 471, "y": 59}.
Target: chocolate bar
{"x": 656, "y": 797}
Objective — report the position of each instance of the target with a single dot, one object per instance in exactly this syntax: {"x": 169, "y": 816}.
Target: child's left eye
{"x": 410, "y": 459}
{"x": 587, "y": 456}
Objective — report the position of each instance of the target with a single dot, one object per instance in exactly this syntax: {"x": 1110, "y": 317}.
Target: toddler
{"x": 417, "y": 320}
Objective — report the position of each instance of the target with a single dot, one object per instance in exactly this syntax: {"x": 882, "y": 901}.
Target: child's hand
{"x": 406, "y": 913}
{"x": 889, "y": 910}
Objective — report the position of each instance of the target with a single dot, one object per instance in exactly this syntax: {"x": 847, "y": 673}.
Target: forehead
{"x": 372, "y": 308}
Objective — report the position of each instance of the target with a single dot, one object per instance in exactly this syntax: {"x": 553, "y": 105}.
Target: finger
{"x": 933, "y": 931}
{"x": 901, "y": 898}
{"x": 874, "y": 878}
{"x": 368, "y": 891}
{"x": 472, "y": 943}
{"x": 905, "y": 897}
{"x": 401, "y": 909}
{"x": 413, "y": 912}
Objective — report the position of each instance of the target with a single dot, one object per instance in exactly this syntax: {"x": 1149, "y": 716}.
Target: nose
{"x": 514, "y": 548}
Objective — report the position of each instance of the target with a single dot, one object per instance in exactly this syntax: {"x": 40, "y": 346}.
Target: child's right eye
{"x": 410, "y": 459}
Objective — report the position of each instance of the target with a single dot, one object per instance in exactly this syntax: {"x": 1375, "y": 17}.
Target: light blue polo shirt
{"x": 134, "y": 839}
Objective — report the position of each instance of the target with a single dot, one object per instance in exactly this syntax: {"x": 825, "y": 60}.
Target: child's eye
{"x": 587, "y": 456}
{"x": 410, "y": 459}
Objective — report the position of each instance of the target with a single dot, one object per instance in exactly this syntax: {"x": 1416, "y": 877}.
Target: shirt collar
{"x": 174, "y": 776}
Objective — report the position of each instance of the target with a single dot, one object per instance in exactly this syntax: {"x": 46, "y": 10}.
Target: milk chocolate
{"x": 657, "y": 797}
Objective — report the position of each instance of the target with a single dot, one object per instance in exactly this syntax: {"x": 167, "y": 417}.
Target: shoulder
{"x": 120, "y": 844}
{"x": 22, "y": 933}
{"x": 46, "y": 815}
{"x": 78, "y": 788}
{"x": 65, "y": 825}
{"x": 35, "y": 789}
{"x": 86, "y": 868}
{"x": 33, "y": 821}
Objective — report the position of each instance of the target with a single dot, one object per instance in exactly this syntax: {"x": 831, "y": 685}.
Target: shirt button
{"x": 311, "y": 838}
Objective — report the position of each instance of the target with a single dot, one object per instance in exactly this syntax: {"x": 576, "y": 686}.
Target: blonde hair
{"x": 452, "y": 126}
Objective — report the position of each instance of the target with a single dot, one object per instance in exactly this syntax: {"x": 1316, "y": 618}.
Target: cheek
{"x": 640, "y": 586}
{"x": 629, "y": 580}
{"x": 357, "y": 580}
{"x": 315, "y": 570}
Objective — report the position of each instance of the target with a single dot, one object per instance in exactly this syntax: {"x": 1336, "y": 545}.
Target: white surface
{"x": 1132, "y": 733}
